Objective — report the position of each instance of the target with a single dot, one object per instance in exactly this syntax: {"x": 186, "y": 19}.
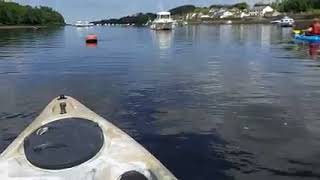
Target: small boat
{"x": 163, "y": 21}
{"x": 287, "y": 22}
{"x": 276, "y": 22}
{"x": 307, "y": 38}
{"x": 69, "y": 141}
{"x": 92, "y": 39}
{"x": 228, "y": 22}
{"x": 83, "y": 24}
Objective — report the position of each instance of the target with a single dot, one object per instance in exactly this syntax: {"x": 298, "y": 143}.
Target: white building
{"x": 226, "y": 14}
{"x": 214, "y": 10}
{"x": 241, "y": 15}
{"x": 205, "y": 16}
{"x": 260, "y": 10}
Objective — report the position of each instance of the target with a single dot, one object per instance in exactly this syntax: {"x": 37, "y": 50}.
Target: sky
{"x": 74, "y": 10}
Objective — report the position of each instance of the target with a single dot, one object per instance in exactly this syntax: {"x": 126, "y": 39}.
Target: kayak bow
{"x": 311, "y": 39}
{"x": 106, "y": 152}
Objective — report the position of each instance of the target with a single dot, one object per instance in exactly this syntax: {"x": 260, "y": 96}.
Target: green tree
{"x": 182, "y": 10}
{"x": 15, "y": 14}
{"x": 241, "y": 6}
{"x": 297, "y": 5}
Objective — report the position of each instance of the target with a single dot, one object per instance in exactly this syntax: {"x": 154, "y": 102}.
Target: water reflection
{"x": 239, "y": 33}
{"x": 225, "y": 34}
{"x": 286, "y": 34}
{"x": 163, "y": 39}
{"x": 91, "y": 45}
{"x": 314, "y": 50}
{"x": 304, "y": 50}
{"x": 265, "y": 35}
{"x": 84, "y": 31}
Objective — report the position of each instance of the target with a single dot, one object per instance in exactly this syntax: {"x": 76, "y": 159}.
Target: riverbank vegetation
{"x": 16, "y": 14}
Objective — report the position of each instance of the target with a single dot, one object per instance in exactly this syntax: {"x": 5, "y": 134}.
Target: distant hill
{"x": 15, "y": 14}
{"x": 218, "y": 6}
{"x": 177, "y": 13}
{"x": 138, "y": 19}
{"x": 143, "y": 18}
{"x": 242, "y": 5}
{"x": 182, "y": 10}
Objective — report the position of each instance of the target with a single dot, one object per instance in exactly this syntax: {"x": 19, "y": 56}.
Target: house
{"x": 213, "y": 10}
{"x": 241, "y": 14}
{"x": 234, "y": 10}
{"x": 272, "y": 14}
{"x": 225, "y": 14}
{"x": 261, "y": 10}
{"x": 191, "y": 16}
{"x": 205, "y": 16}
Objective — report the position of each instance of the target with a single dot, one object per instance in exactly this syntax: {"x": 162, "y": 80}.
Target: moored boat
{"x": 276, "y": 22}
{"x": 228, "y": 22}
{"x": 69, "y": 141}
{"x": 83, "y": 24}
{"x": 163, "y": 21}
{"x": 287, "y": 22}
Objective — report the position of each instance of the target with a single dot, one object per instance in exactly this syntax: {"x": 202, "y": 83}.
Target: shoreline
{"x": 21, "y": 27}
{"x": 241, "y": 21}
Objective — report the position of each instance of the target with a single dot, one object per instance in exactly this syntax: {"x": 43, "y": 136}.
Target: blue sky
{"x": 74, "y": 10}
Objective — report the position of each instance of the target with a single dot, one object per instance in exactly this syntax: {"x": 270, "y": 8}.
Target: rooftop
{"x": 259, "y": 8}
{"x": 163, "y": 13}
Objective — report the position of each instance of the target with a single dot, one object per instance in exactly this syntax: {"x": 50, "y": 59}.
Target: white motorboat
{"x": 67, "y": 141}
{"x": 287, "y": 22}
{"x": 83, "y": 24}
{"x": 228, "y": 22}
{"x": 163, "y": 21}
{"x": 276, "y": 22}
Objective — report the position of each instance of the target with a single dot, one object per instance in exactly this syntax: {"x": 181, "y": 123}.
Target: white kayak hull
{"x": 118, "y": 155}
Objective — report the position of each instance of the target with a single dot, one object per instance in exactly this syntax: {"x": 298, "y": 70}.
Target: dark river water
{"x": 210, "y": 102}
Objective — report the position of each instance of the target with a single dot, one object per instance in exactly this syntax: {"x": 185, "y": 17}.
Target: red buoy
{"x": 92, "y": 38}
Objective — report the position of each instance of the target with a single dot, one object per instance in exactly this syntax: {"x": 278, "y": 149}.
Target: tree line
{"x": 138, "y": 19}
{"x": 183, "y": 10}
{"x": 15, "y": 14}
{"x": 296, "y": 6}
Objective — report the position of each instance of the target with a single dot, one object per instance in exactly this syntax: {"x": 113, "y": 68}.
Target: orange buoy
{"x": 92, "y": 38}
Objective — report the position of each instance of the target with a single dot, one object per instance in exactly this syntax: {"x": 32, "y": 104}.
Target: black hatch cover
{"x": 64, "y": 144}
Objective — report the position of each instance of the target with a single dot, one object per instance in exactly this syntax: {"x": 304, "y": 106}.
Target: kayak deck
{"x": 118, "y": 157}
